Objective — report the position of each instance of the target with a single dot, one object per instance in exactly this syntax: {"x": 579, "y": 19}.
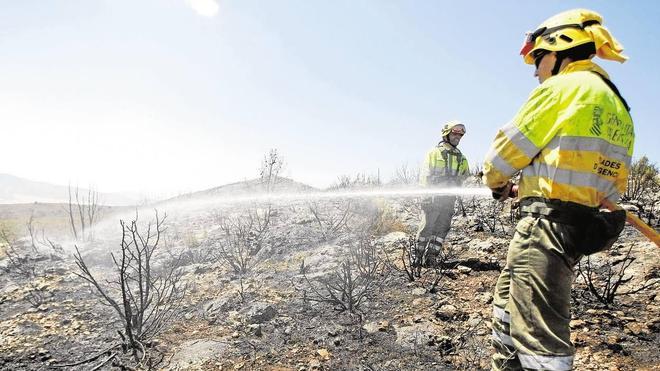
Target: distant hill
{"x": 15, "y": 190}
{"x": 247, "y": 187}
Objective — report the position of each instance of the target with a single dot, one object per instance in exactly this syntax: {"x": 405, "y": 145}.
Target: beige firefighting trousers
{"x": 531, "y": 305}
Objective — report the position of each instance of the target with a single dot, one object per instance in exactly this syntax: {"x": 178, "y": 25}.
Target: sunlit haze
{"x": 172, "y": 96}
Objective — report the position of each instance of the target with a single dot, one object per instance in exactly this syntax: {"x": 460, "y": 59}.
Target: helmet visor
{"x": 458, "y": 129}
{"x": 530, "y": 40}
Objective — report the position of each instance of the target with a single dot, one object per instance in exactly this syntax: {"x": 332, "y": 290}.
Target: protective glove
{"x": 510, "y": 190}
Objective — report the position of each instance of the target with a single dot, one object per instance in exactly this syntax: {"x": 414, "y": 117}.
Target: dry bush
{"x": 360, "y": 180}
{"x": 642, "y": 180}
{"x": 353, "y": 280}
{"x": 643, "y": 187}
{"x": 25, "y": 268}
{"x": 405, "y": 175}
{"x": 84, "y": 212}
{"x": 331, "y": 220}
{"x": 606, "y": 275}
{"x": 38, "y": 238}
{"x": 384, "y": 220}
{"x": 490, "y": 218}
{"x": 409, "y": 264}
{"x": 245, "y": 239}
{"x": 271, "y": 166}
{"x": 146, "y": 298}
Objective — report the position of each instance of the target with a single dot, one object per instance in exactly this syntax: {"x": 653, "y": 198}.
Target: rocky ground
{"x": 269, "y": 317}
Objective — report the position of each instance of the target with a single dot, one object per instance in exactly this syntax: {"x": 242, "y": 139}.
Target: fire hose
{"x": 636, "y": 222}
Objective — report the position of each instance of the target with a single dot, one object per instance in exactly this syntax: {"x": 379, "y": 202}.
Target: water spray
{"x": 408, "y": 192}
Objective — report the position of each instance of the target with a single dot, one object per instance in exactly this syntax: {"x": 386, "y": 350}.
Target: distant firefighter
{"x": 445, "y": 166}
{"x": 572, "y": 141}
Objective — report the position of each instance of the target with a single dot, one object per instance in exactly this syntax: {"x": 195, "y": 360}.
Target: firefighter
{"x": 444, "y": 166}
{"x": 572, "y": 142}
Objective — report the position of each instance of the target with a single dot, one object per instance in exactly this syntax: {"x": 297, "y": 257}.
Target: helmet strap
{"x": 558, "y": 61}
{"x": 580, "y": 52}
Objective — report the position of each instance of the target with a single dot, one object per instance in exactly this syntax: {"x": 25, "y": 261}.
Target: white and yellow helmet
{"x": 453, "y": 126}
{"x": 570, "y": 29}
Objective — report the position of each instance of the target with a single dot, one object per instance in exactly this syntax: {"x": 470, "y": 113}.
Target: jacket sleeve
{"x": 518, "y": 142}
{"x": 425, "y": 171}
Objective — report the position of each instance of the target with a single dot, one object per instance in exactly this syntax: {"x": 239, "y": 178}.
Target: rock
{"x": 314, "y": 364}
{"x": 196, "y": 352}
{"x": 486, "y": 298}
{"x": 486, "y": 246}
{"x": 463, "y": 269}
{"x": 474, "y": 320}
{"x": 412, "y": 337}
{"x": 371, "y": 327}
{"x": 446, "y": 312}
{"x": 576, "y": 323}
{"x": 256, "y": 330}
{"x": 421, "y": 303}
{"x": 202, "y": 268}
{"x": 29, "y": 328}
{"x": 324, "y": 354}
{"x": 214, "y": 306}
{"x": 419, "y": 291}
{"x": 636, "y": 329}
{"x": 260, "y": 312}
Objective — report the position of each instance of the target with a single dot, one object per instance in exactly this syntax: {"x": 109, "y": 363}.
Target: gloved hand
{"x": 510, "y": 190}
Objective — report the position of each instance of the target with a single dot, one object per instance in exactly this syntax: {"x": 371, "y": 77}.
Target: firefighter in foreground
{"x": 444, "y": 166}
{"x": 572, "y": 141}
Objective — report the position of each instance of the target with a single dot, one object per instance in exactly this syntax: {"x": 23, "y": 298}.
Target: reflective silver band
{"x": 500, "y": 164}
{"x": 520, "y": 140}
{"x": 570, "y": 143}
{"x": 502, "y": 338}
{"x": 575, "y": 178}
{"x": 437, "y": 239}
{"x": 501, "y": 314}
{"x": 614, "y": 197}
{"x": 555, "y": 363}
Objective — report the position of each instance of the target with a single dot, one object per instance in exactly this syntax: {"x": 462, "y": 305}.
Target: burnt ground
{"x": 268, "y": 318}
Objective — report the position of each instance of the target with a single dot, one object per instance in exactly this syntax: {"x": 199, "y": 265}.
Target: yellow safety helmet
{"x": 569, "y": 29}
{"x": 453, "y": 126}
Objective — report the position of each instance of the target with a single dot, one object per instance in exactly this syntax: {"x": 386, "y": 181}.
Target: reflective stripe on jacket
{"x": 444, "y": 164}
{"x": 573, "y": 140}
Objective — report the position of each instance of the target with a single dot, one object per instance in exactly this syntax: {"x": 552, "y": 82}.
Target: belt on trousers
{"x": 559, "y": 211}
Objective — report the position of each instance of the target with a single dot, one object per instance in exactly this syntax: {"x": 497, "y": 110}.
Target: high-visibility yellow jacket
{"x": 573, "y": 140}
{"x": 444, "y": 165}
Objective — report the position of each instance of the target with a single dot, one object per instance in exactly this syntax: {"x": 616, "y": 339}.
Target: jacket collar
{"x": 583, "y": 65}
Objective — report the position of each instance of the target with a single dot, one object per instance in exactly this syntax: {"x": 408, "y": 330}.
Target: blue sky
{"x": 153, "y": 96}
